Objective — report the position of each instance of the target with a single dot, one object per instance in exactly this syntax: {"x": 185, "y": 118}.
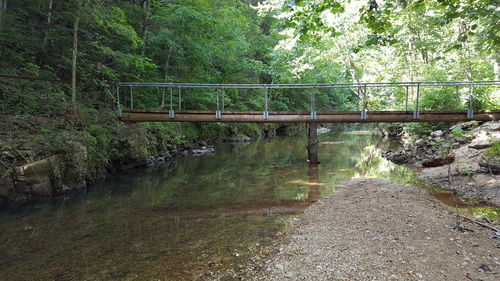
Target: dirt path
{"x": 373, "y": 229}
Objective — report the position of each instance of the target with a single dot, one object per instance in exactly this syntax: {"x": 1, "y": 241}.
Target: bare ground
{"x": 373, "y": 229}
{"x": 465, "y": 179}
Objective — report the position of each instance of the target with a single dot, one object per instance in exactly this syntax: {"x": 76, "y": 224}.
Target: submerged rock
{"x": 152, "y": 161}
{"x": 203, "y": 151}
{"x": 238, "y": 139}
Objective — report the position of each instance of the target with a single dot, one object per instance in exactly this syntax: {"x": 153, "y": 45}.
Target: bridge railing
{"x": 219, "y": 98}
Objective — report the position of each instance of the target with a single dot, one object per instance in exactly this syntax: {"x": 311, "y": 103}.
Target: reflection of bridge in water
{"x": 322, "y": 110}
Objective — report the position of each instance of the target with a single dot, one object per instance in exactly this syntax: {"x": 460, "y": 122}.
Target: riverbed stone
{"x": 132, "y": 139}
{"x": 438, "y": 161}
{"x": 437, "y": 134}
{"x": 481, "y": 141}
{"x": 201, "y": 151}
{"x": 491, "y": 126}
{"x": 420, "y": 142}
{"x": 398, "y": 157}
{"x": 37, "y": 177}
{"x": 238, "y": 139}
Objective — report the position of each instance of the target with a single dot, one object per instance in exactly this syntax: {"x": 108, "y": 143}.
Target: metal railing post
{"x": 359, "y": 98}
{"x": 457, "y": 99}
{"x": 171, "y": 112}
{"x": 416, "y": 113}
{"x": 223, "y": 95}
{"x": 180, "y": 98}
{"x": 162, "y": 97}
{"x": 470, "y": 111}
{"x": 131, "y": 98}
{"x": 119, "y": 107}
{"x": 364, "y": 113}
{"x": 366, "y": 102}
{"x": 266, "y": 105}
{"x": 313, "y": 105}
{"x": 406, "y": 101}
{"x": 217, "y": 112}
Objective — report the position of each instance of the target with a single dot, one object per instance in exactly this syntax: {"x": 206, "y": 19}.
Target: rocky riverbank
{"x": 464, "y": 159}
{"x": 43, "y": 157}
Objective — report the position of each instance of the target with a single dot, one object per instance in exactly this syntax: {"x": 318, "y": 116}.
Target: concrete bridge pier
{"x": 312, "y": 144}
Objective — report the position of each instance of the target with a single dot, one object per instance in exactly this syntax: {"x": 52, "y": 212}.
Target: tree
{"x": 75, "y": 51}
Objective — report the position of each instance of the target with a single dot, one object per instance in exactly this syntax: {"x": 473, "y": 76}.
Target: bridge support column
{"x": 312, "y": 143}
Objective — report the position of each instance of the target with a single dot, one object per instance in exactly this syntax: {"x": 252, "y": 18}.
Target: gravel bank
{"x": 373, "y": 229}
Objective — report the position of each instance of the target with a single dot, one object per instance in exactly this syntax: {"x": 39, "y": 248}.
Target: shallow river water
{"x": 194, "y": 216}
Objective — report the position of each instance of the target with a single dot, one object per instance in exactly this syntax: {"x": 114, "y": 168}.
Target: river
{"x": 186, "y": 219}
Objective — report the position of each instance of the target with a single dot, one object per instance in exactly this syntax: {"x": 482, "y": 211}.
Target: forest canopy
{"x": 97, "y": 43}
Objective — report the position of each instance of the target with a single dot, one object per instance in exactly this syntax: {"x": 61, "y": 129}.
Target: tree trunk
{"x": 75, "y": 53}
{"x": 146, "y": 6}
{"x": 496, "y": 68}
{"x": 167, "y": 63}
{"x": 3, "y": 10}
{"x": 49, "y": 19}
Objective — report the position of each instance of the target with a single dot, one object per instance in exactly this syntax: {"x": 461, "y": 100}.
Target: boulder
{"x": 481, "y": 141}
{"x": 491, "y": 126}
{"x": 420, "y": 143}
{"x": 437, "y": 134}
{"x": 398, "y": 157}
{"x": 36, "y": 176}
{"x": 132, "y": 139}
{"x": 438, "y": 161}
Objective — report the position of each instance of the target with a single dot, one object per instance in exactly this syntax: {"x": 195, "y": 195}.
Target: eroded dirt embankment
{"x": 373, "y": 229}
{"x": 457, "y": 161}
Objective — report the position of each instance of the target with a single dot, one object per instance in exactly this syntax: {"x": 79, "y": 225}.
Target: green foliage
{"x": 467, "y": 172}
{"x": 493, "y": 152}
{"x": 217, "y": 41}
{"x": 165, "y": 136}
{"x": 437, "y": 99}
{"x": 423, "y": 129}
{"x": 457, "y": 132}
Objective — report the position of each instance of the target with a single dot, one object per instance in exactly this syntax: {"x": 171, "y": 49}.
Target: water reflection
{"x": 314, "y": 183}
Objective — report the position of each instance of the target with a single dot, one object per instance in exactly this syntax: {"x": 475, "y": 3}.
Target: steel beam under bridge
{"x": 305, "y": 117}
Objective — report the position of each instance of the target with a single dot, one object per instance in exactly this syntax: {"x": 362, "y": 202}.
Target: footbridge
{"x": 263, "y": 103}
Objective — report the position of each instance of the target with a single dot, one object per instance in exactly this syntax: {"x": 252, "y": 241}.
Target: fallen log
{"x": 491, "y": 167}
{"x": 481, "y": 224}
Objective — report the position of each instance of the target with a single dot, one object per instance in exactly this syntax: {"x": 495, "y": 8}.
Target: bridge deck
{"x": 305, "y": 117}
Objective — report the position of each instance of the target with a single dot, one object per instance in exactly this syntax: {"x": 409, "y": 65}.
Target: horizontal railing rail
{"x": 310, "y": 86}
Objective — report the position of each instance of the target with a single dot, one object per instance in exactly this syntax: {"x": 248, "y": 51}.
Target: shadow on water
{"x": 181, "y": 221}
